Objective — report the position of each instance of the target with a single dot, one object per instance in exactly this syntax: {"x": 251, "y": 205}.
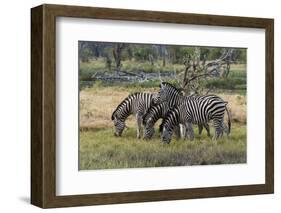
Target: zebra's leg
{"x": 186, "y": 136}
{"x": 216, "y": 129}
{"x": 139, "y": 121}
{"x": 177, "y": 132}
{"x": 207, "y": 127}
{"x": 190, "y": 130}
{"x": 186, "y": 133}
{"x": 200, "y": 128}
{"x": 182, "y": 131}
{"x": 218, "y": 124}
{"x": 222, "y": 128}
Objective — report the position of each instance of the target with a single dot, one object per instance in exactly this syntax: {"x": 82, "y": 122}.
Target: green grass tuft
{"x": 99, "y": 149}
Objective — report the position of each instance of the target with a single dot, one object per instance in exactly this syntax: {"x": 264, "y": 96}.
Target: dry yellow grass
{"x": 97, "y": 105}
{"x": 238, "y": 107}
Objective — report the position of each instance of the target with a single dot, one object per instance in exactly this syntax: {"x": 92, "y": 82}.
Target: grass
{"x": 236, "y": 80}
{"x": 87, "y": 69}
{"x": 99, "y": 149}
{"x": 98, "y": 103}
{"x": 146, "y": 66}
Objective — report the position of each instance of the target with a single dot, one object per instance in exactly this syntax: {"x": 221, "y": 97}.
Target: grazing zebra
{"x": 157, "y": 112}
{"x": 170, "y": 94}
{"x": 194, "y": 111}
{"x": 174, "y": 97}
{"x": 153, "y": 114}
{"x": 136, "y": 104}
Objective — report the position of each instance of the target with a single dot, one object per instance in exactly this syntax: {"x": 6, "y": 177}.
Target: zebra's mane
{"x": 172, "y": 86}
{"x": 135, "y": 94}
{"x": 164, "y": 121}
{"x": 145, "y": 116}
{"x": 122, "y": 103}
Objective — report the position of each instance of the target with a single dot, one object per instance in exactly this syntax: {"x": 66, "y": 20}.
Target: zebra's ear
{"x": 181, "y": 91}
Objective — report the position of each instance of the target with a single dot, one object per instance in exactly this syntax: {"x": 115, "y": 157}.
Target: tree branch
{"x": 203, "y": 69}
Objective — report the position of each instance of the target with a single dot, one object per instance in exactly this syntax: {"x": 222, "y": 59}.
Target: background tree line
{"x": 144, "y": 52}
{"x": 197, "y": 64}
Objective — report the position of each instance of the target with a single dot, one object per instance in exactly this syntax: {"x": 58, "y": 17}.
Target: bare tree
{"x": 190, "y": 79}
{"x": 117, "y": 53}
{"x": 108, "y": 61}
{"x": 151, "y": 59}
{"x": 165, "y": 55}
{"x": 83, "y": 51}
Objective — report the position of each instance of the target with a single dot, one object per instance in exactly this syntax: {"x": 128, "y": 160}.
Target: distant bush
{"x": 86, "y": 54}
{"x": 87, "y": 69}
{"x": 226, "y": 83}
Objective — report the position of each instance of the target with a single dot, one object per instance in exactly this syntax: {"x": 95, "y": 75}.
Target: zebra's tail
{"x": 229, "y": 120}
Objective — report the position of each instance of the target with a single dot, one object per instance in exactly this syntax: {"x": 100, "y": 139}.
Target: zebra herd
{"x": 175, "y": 109}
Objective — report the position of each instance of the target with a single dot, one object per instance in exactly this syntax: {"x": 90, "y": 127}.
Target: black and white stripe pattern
{"x": 153, "y": 114}
{"x": 174, "y": 97}
{"x": 196, "y": 110}
{"x": 136, "y": 104}
{"x": 170, "y": 94}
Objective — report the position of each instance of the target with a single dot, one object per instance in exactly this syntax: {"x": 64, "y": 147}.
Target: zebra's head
{"x": 155, "y": 99}
{"x": 119, "y": 126}
{"x": 119, "y": 116}
{"x": 148, "y": 129}
{"x": 168, "y": 92}
{"x": 166, "y": 135}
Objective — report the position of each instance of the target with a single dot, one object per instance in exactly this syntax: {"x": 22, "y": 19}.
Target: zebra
{"x": 194, "y": 111}
{"x": 153, "y": 114}
{"x": 136, "y": 104}
{"x": 157, "y": 112}
{"x": 174, "y": 97}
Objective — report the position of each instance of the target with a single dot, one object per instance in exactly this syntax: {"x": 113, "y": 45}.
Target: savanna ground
{"x": 100, "y": 149}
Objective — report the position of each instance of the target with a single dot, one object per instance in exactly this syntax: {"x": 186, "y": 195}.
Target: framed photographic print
{"x": 136, "y": 106}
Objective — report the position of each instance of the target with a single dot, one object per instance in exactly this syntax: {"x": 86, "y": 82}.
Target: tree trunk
{"x": 117, "y": 52}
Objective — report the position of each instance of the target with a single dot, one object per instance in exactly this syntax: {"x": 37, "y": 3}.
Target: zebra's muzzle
{"x": 116, "y": 135}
